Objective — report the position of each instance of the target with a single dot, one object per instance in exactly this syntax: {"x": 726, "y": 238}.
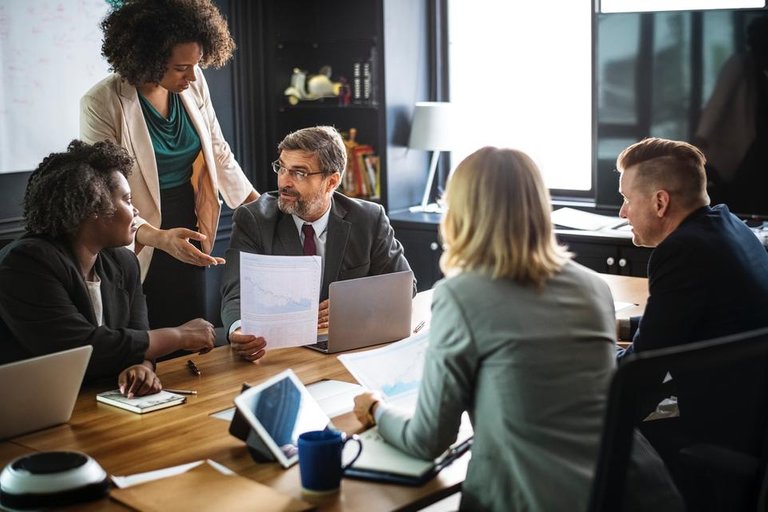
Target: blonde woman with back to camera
{"x": 522, "y": 338}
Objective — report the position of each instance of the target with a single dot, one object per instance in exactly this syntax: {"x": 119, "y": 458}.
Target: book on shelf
{"x": 373, "y": 167}
{"x": 141, "y": 404}
{"x": 362, "y": 175}
{"x": 367, "y": 81}
{"x": 357, "y": 93}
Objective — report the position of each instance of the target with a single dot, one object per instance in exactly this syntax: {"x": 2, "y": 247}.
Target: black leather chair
{"x": 5, "y": 240}
{"x": 723, "y": 444}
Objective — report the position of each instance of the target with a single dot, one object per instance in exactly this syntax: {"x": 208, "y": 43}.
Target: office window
{"x": 674, "y": 5}
{"x": 520, "y": 73}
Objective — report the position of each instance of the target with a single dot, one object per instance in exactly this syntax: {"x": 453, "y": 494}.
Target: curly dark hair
{"x": 68, "y": 187}
{"x": 140, "y": 36}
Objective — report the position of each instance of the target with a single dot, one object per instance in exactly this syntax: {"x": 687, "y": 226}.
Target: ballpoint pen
{"x": 193, "y": 367}
{"x": 419, "y": 326}
{"x": 181, "y": 391}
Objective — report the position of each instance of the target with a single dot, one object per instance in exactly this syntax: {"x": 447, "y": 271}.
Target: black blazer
{"x": 709, "y": 278}
{"x": 359, "y": 242}
{"x": 45, "y": 306}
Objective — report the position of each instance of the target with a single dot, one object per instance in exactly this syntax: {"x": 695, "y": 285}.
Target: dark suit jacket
{"x": 359, "y": 242}
{"x": 45, "y": 306}
{"x": 709, "y": 278}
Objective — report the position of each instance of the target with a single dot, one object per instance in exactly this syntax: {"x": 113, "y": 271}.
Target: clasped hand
{"x": 197, "y": 335}
{"x": 364, "y": 408}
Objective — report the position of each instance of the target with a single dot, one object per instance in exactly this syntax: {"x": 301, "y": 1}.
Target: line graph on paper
{"x": 280, "y": 291}
{"x": 395, "y": 371}
{"x": 279, "y": 298}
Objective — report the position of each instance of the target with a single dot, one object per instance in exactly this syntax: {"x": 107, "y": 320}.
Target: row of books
{"x": 362, "y": 177}
{"x": 362, "y": 83}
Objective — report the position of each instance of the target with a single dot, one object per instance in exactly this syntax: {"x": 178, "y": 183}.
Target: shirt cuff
{"x": 379, "y": 412}
{"x": 232, "y": 328}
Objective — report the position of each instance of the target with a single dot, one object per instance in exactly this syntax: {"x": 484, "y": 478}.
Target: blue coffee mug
{"x": 320, "y": 459}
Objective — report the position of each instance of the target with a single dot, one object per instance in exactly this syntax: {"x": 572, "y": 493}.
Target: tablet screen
{"x": 280, "y": 409}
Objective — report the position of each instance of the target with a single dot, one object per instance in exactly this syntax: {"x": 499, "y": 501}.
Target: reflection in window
{"x": 618, "y": 43}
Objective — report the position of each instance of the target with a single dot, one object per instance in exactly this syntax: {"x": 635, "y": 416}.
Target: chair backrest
{"x": 638, "y": 375}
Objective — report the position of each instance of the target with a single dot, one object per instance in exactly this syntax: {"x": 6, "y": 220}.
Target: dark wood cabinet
{"x": 418, "y": 232}
{"x": 608, "y": 253}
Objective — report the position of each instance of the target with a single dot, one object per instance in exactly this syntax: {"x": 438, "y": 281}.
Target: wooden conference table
{"x": 125, "y": 443}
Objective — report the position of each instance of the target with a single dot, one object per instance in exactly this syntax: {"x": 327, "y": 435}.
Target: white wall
{"x": 50, "y": 54}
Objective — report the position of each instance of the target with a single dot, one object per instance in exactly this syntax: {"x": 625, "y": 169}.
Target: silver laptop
{"x": 368, "y": 311}
{"x": 41, "y": 392}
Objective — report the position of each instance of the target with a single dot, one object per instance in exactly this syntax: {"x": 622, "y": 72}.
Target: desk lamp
{"x": 432, "y": 129}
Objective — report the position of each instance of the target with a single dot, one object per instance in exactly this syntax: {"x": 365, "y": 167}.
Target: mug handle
{"x": 359, "y": 451}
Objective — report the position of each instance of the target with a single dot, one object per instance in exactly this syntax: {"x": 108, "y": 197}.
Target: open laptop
{"x": 368, "y": 311}
{"x": 41, "y": 392}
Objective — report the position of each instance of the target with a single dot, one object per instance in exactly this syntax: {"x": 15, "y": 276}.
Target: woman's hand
{"x": 138, "y": 380}
{"x": 198, "y": 335}
{"x": 176, "y": 243}
{"x": 365, "y": 406}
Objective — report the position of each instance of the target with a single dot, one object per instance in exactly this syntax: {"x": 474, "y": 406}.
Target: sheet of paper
{"x": 139, "y": 478}
{"x": 618, "y": 305}
{"x": 226, "y": 414}
{"x": 394, "y": 371}
{"x": 279, "y": 298}
{"x": 335, "y": 397}
{"x": 204, "y": 488}
{"x": 578, "y": 219}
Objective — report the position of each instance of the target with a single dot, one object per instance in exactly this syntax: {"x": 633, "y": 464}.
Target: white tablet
{"x": 279, "y": 410}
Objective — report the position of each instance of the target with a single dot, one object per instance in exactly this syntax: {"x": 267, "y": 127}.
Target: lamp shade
{"x": 433, "y": 126}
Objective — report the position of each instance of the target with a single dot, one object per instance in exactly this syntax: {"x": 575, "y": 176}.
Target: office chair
{"x": 727, "y": 469}
{"x": 5, "y": 240}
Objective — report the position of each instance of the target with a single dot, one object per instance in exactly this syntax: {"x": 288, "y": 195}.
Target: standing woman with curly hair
{"x": 157, "y": 105}
{"x": 68, "y": 281}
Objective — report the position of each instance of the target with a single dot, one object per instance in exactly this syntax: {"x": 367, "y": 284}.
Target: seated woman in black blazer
{"x": 68, "y": 281}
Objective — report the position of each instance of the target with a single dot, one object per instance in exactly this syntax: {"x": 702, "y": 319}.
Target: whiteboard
{"x": 50, "y": 55}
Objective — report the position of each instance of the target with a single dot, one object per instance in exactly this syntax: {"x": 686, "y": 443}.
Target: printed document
{"x": 279, "y": 298}
{"x": 394, "y": 371}
{"x": 578, "y": 219}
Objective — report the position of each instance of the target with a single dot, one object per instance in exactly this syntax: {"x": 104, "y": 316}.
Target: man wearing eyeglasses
{"x": 306, "y": 216}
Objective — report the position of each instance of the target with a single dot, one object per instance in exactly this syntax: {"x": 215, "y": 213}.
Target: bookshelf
{"x": 378, "y": 47}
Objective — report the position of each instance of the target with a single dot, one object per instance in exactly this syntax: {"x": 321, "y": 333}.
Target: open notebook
{"x": 380, "y": 461}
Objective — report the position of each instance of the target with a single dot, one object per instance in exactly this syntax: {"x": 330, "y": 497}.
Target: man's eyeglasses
{"x": 295, "y": 174}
